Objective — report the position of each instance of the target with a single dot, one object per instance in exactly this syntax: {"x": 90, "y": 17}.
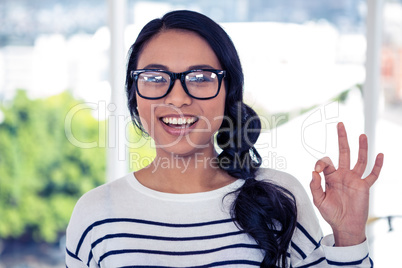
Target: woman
{"x": 193, "y": 207}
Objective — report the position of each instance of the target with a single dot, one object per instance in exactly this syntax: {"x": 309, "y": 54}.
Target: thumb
{"x": 316, "y": 189}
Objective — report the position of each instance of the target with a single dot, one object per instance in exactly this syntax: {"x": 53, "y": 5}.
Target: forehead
{"x": 177, "y": 49}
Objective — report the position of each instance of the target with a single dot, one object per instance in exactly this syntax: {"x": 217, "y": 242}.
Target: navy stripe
{"x": 302, "y": 254}
{"x": 214, "y": 264}
{"x": 163, "y": 238}
{"x": 347, "y": 263}
{"x": 312, "y": 263}
{"x": 174, "y": 253}
{"x": 125, "y": 235}
{"x": 112, "y": 220}
{"x": 89, "y": 257}
{"x": 69, "y": 253}
{"x": 304, "y": 231}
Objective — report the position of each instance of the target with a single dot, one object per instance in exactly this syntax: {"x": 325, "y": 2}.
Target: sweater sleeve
{"x": 308, "y": 247}
{"x": 77, "y": 244}
{"x": 88, "y": 210}
{"x": 73, "y": 261}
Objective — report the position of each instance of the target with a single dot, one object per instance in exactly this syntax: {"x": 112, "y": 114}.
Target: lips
{"x": 178, "y": 125}
{"x": 179, "y": 121}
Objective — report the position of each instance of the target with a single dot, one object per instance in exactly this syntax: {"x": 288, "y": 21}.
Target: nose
{"x": 177, "y": 96}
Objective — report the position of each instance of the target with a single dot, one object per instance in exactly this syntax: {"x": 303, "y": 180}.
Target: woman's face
{"x": 179, "y": 51}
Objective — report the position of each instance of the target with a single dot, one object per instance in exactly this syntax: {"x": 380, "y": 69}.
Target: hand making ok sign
{"x": 345, "y": 202}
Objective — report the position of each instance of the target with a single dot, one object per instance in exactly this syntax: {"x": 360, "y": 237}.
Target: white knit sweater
{"x": 125, "y": 224}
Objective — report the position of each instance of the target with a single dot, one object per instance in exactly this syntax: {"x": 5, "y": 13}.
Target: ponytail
{"x": 264, "y": 210}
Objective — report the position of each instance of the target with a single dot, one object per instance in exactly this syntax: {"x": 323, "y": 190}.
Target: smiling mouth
{"x": 179, "y": 122}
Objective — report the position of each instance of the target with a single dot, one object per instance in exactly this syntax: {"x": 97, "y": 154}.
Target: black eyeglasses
{"x": 199, "y": 84}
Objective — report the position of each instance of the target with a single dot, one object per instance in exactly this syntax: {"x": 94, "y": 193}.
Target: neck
{"x": 172, "y": 173}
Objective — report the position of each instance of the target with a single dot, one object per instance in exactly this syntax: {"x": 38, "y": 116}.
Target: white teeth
{"x": 178, "y": 121}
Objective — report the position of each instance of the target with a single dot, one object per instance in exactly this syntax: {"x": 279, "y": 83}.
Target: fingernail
{"x": 318, "y": 168}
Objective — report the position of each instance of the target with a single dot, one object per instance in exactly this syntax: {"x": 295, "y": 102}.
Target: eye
{"x": 201, "y": 77}
{"x": 153, "y": 78}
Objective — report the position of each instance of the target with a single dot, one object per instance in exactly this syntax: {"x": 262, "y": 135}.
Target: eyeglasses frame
{"x": 173, "y": 77}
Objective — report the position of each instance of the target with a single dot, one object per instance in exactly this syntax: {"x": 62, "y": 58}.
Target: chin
{"x": 183, "y": 148}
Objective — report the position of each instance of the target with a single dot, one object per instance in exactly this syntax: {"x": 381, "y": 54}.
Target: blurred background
{"x": 64, "y": 128}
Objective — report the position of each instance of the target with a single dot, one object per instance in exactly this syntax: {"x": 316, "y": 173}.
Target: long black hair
{"x": 264, "y": 210}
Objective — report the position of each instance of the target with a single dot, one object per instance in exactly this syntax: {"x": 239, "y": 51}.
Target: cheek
{"x": 216, "y": 112}
{"x": 145, "y": 113}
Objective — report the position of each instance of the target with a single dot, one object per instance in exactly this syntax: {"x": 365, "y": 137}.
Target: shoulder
{"x": 104, "y": 192}
{"x": 288, "y": 182}
{"x": 97, "y": 203}
{"x": 280, "y": 178}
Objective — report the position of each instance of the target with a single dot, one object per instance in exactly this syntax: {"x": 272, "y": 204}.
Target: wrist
{"x": 345, "y": 239}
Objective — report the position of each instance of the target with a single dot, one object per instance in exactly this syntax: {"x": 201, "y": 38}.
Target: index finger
{"x": 344, "y": 151}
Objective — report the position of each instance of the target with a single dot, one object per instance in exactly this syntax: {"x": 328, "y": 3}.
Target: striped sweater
{"x": 124, "y": 224}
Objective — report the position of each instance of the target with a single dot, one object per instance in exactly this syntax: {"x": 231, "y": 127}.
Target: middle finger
{"x": 344, "y": 151}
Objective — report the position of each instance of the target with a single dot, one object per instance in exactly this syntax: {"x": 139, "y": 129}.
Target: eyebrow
{"x": 156, "y": 66}
{"x": 203, "y": 66}
{"x": 164, "y": 67}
